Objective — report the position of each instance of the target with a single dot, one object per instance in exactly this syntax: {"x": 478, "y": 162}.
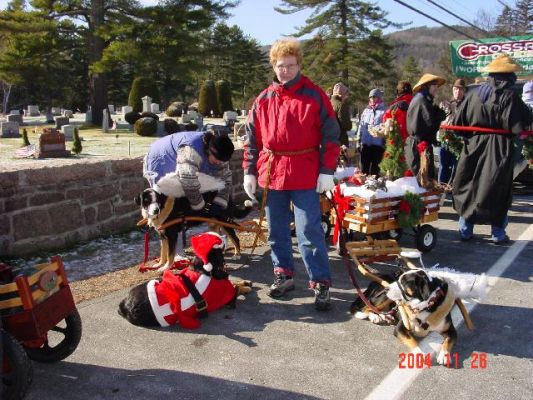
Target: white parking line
{"x": 399, "y": 380}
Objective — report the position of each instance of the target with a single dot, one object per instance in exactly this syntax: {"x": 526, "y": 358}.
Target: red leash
{"x": 483, "y": 130}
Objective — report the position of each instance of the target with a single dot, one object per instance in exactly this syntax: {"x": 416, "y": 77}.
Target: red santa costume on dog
{"x": 172, "y": 302}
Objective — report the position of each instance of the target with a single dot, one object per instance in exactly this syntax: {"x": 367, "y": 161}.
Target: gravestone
{"x": 56, "y": 111}
{"x": 89, "y": 117}
{"x": 199, "y": 121}
{"x": 33, "y": 111}
{"x": 68, "y": 131}
{"x": 229, "y": 116}
{"x": 105, "y": 121}
{"x": 15, "y": 118}
{"x": 147, "y": 101}
{"x": 186, "y": 118}
{"x": 193, "y": 114}
{"x": 244, "y": 113}
{"x": 126, "y": 109}
{"x": 154, "y": 107}
{"x": 51, "y": 143}
{"x": 9, "y": 130}
{"x": 68, "y": 113}
{"x": 111, "y": 108}
{"x": 14, "y": 112}
{"x": 60, "y": 121}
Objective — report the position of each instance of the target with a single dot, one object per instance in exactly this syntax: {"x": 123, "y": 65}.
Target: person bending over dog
{"x": 190, "y": 153}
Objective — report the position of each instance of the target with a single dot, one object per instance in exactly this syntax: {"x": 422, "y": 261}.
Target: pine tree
{"x": 224, "y": 102}
{"x": 141, "y": 87}
{"x": 393, "y": 164}
{"x": 411, "y": 71}
{"x": 25, "y": 139}
{"x": 207, "y": 99}
{"x": 76, "y": 145}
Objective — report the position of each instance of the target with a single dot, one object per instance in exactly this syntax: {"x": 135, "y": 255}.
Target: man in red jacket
{"x": 292, "y": 147}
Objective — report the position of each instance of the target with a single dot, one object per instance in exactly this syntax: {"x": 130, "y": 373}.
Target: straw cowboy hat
{"x": 502, "y": 64}
{"x": 426, "y": 78}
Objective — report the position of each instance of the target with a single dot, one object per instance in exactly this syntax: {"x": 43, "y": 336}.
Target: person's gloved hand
{"x": 324, "y": 183}
{"x": 250, "y": 185}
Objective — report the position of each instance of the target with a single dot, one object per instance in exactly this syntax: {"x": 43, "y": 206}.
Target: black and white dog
{"x": 159, "y": 209}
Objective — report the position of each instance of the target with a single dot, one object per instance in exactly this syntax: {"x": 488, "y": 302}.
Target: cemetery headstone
{"x": 105, "y": 121}
{"x": 68, "y": 113}
{"x": 14, "y": 112}
{"x": 229, "y": 116}
{"x": 89, "y": 117}
{"x": 51, "y": 143}
{"x": 155, "y": 108}
{"x": 15, "y": 118}
{"x": 9, "y": 130}
{"x": 60, "y": 121}
{"x": 244, "y": 113}
{"x": 33, "y": 111}
{"x": 147, "y": 101}
{"x": 68, "y": 131}
{"x": 193, "y": 114}
{"x": 186, "y": 118}
{"x": 111, "y": 108}
{"x": 199, "y": 121}
{"x": 126, "y": 109}
{"x": 56, "y": 111}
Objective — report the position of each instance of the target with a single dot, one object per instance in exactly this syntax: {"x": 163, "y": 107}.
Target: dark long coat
{"x": 482, "y": 188}
{"x": 423, "y": 122}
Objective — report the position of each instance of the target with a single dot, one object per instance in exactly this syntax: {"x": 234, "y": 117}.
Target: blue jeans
{"x": 466, "y": 229}
{"x": 311, "y": 241}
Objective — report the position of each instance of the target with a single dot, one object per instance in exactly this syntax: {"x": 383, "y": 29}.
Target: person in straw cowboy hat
{"x": 423, "y": 121}
{"x": 482, "y": 188}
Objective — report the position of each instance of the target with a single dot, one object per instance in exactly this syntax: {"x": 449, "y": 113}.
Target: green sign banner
{"x": 470, "y": 57}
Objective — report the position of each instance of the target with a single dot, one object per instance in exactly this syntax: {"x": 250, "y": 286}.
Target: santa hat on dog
{"x": 202, "y": 245}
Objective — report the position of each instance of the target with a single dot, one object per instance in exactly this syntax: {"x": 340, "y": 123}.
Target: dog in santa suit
{"x": 189, "y": 295}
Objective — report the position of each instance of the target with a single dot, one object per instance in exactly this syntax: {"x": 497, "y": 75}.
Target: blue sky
{"x": 258, "y": 19}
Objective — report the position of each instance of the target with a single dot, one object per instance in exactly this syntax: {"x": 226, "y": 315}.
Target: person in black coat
{"x": 482, "y": 188}
{"x": 423, "y": 122}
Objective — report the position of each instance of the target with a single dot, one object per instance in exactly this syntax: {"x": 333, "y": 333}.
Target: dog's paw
{"x": 361, "y": 315}
{"x": 443, "y": 358}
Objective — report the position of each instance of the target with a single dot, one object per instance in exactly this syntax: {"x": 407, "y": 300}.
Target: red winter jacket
{"x": 287, "y": 118}
{"x": 400, "y": 106}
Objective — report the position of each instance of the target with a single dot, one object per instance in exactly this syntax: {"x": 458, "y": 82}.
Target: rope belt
{"x": 271, "y": 154}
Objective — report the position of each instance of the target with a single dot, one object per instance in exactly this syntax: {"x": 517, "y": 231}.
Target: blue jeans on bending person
{"x": 466, "y": 229}
{"x": 311, "y": 241}
{"x": 447, "y": 163}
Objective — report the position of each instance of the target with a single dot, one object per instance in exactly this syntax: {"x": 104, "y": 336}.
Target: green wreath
{"x": 410, "y": 210}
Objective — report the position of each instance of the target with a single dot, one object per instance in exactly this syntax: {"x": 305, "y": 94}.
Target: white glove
{"x": 324, "y": 183}
{"x": 250, "y": 186}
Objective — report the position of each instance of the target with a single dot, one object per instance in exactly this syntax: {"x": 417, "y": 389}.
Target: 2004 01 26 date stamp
{"x": 423, "y": 360}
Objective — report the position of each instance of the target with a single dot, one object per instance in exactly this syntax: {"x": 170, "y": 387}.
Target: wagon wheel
{"x": 17, "y": 370}
{"x": 61, "y": 340}
{"x": 426, "y": 238}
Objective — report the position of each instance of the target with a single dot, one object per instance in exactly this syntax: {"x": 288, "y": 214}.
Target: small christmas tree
{"x": 25, "y": 140}
{"x": 393, "y": 164}
{"x": 76, "y": 146}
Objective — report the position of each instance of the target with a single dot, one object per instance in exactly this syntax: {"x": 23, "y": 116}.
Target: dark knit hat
{"x": 221, "y": 147}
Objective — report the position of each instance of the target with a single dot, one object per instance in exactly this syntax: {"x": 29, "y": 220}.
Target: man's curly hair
{"x": 284, "y": 48}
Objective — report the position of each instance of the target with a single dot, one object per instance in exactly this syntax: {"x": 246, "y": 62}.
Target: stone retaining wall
{"x": 54, "y": 205}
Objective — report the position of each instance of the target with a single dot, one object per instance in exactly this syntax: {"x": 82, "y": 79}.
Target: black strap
{"x": 201, "y": 304}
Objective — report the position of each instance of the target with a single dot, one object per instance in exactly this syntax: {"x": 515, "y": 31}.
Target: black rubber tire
{"x": 57, "y": 350}
{"x": 426, "y": 238}
{"x": 17, "y": 369}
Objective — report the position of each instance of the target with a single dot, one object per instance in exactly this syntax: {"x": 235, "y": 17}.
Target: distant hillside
{"x": 426, "y": 45}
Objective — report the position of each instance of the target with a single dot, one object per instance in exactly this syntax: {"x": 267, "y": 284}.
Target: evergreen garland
{"x": 76, "y": 145}
{"x": 452, "y": 143}
{"x": 410, "y": 210}
{"x": 393, "y": 163}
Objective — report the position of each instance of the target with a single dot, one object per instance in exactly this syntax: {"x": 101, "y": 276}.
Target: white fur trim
{"x": 170, "y": 184}
{"x": 201, "y": 285}
{"x": 208, "y": 267}
{"x": 394, "y": 293}
{"x": 160, "y": 311}
{"x": 464, "y": 284}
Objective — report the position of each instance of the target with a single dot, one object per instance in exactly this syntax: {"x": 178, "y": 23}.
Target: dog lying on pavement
{"x": 159, "y": 208}
{"x": 189, "y": 295}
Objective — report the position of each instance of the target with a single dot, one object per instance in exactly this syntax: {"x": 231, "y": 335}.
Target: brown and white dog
{"x": 159, "y": 209}
{"x": 189, "y": 295}
{"x": 425, "y": 305}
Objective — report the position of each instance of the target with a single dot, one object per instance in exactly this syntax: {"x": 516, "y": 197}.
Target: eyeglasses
{"x": 286, "y": 67}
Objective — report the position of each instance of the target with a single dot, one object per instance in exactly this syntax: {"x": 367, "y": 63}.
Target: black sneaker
{"x": 322, "y": 301}
{"x": 505, "y": 240}
{"x": 282, "y": 284}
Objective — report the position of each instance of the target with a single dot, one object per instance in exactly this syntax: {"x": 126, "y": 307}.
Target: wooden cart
{"x": 39, "y": 311}
{"x": 377, "y": 217}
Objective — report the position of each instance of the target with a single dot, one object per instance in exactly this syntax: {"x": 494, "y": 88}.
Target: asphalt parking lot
{"x": 268, "y": 349}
